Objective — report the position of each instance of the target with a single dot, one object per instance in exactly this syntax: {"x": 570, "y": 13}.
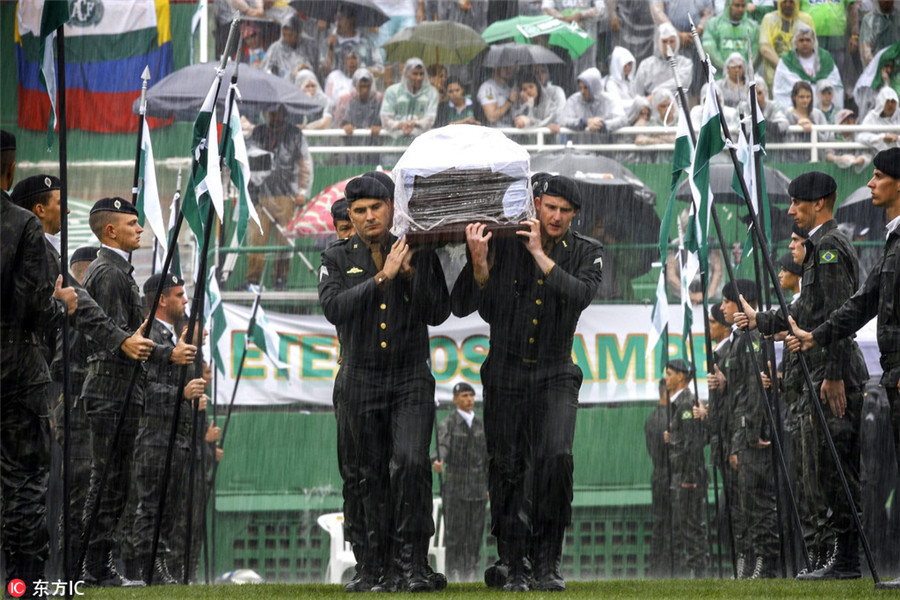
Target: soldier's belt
{"x": 115, "y": 370}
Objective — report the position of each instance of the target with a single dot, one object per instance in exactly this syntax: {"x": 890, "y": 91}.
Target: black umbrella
{"x": 617, "y": 209}
{"x": 180, "y": 94}
{"x": 367, "y": 13}
{"x": 516, "y": 55}
{"x": 867, "y": 219}
{"x": 720, "y": 177}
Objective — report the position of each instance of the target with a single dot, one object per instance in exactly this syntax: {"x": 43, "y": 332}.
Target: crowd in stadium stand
{"x": 814, "y": 63}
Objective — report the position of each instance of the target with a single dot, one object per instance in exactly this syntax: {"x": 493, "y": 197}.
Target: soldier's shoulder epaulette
{"x": 337, "y": 242}
{"x": 588, "y": 239}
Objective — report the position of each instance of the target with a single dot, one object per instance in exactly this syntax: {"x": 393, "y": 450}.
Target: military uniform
{"x": 463, "y": 450}
{"x": 109, "y": 281}
{"x": 27, "y": 309}
{"x": 531, "y": 390}
{"x": 660, "y": 492}
{"x": 689, "y": 480}
{"x": 830, "y": 276}
{"x": 754, "y": 522}
{"x": 387, "y": 389}
{"x": 160, "y": 394}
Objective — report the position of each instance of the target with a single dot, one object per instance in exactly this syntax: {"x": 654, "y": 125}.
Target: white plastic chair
{"x": 436, "y": 546}
{"x": 340, "y": 556}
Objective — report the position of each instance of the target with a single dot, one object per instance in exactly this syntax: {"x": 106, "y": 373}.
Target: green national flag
{"x": 709, "y": 144}
{"x": 54, "y": 14}
{"x": 215, "y": 318}
{"x": 205, "y": 184}
{"x": 266, "y": 339}
{"x": 681, "y": 161}
{"x": 236, "y": 159}
{"x": 148, "y": 207}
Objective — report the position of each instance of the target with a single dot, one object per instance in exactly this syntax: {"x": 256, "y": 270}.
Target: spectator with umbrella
{"x": 290, "y": 53}
{"x": 343, "y": 32}
{"x": 459, "y": 108}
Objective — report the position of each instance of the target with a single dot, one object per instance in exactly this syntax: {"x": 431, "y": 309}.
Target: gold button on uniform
{"x": 383, "y": 306}
{"x": 384, "y": 325}
{"x": 538, "y": 301}
{"x": 384, "y": 344}
{"x": 534, "y": 321}
{"x": 530, "y": 340}
{"x": 540, "y": 282}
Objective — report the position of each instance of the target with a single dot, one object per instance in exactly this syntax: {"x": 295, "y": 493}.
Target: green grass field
{"x": 648, "y": 589}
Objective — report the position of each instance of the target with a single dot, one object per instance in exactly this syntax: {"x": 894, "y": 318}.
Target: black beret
{"x": 366, "y": 187}
{"x": 170, "y": 280}
{"x": 84, "y": 254}
{"x": 715, "y": 311}
{"x": 114, "y": 204}
{"x": 31, "y": 186}
{"x": 801, "y": 231}
{"x": 340, "y": 210}
{"x": 680, "y": 366}
{"x": 888, "y": 162}
{"x": 812, "y": 186}
{"x": 743, "y": 287}
{"x": 462, "y": 387}
{"x": 7, "y": 140}
{"x": 787, "y": 263}
{"x": 537, "y": 183}
{"x": 384, "y": 178}
{"x": 562, "y": 186}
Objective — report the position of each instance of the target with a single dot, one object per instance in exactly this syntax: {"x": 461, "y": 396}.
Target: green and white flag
{"x": 681, "y": 162}
{"x": 746, "y": 153}
{"x": 236, "y": 159}
{"x": 214, "y": 314}
{"x": 205, "y": 184}
{"x": 148, "y": 207}
{"x": 709, "y": 144}
{"x": 266, "y": 339}
{"x": 54, "y": 14}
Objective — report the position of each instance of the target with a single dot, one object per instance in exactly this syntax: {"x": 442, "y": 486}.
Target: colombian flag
{"x": 108, "y": 44}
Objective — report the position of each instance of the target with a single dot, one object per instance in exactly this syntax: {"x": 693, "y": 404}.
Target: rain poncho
{"x": 722, "y": 36}
{"x": 617, "y": 86}
{"x": 302, "y": 79}
{"x": 340, "y": 81}
{"x": 401, "y": 104}
{"x": 876, "y": 116}
{"x": 878, "y": 30}
{"x": 654, "y": 71}
{"x": 284, "y": 60}
{"x": 790, "y": 70}
{"x": 832, "y": 111}
{"x": 773, "y": 111}
{"x": 578, "y": 110}
{"x": 733, "y": 92}
{"x": 660, "y": 96}
{"x": 777, "y": 31}
{"x": 350, "y": 109}
{"x": 540, "y": 111}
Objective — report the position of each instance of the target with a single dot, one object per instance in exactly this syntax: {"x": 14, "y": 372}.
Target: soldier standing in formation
{"x": 839, "y": 374}
{"x": 29, "y": 308}
{"x": 686, "y": 437}
{"x": 382, "y": 295}
{"x": 531, "y": 291}
{"x": 747, "y": 443}
{"x": 461, "y": 456}
{"x": 170, "y": 353}
{"x": 109, "y": 281}
{"x": 876, "y": 298}
{"x": 660, "y": 486}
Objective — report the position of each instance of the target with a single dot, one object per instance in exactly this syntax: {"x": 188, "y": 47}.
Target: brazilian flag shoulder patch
{"x": 687, "y": 415}
{"x": 827, "y": 257}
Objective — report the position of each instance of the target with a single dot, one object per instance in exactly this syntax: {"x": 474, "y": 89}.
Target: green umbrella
{"x": 522, "y": 29}
{"x": 436, "y": 43}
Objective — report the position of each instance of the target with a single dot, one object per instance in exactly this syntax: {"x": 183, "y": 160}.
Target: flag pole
{"x": 64, "y": 268}
{"x": 773, "y": 276}
{"x": 198, "y": 293}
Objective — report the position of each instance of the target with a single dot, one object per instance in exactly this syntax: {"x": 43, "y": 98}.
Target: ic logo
{"x": 16, "y": 588}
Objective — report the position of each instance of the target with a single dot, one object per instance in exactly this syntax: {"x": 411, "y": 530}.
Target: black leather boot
{"x": 546, "y": 562}
{"x": 844, "y": 564}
